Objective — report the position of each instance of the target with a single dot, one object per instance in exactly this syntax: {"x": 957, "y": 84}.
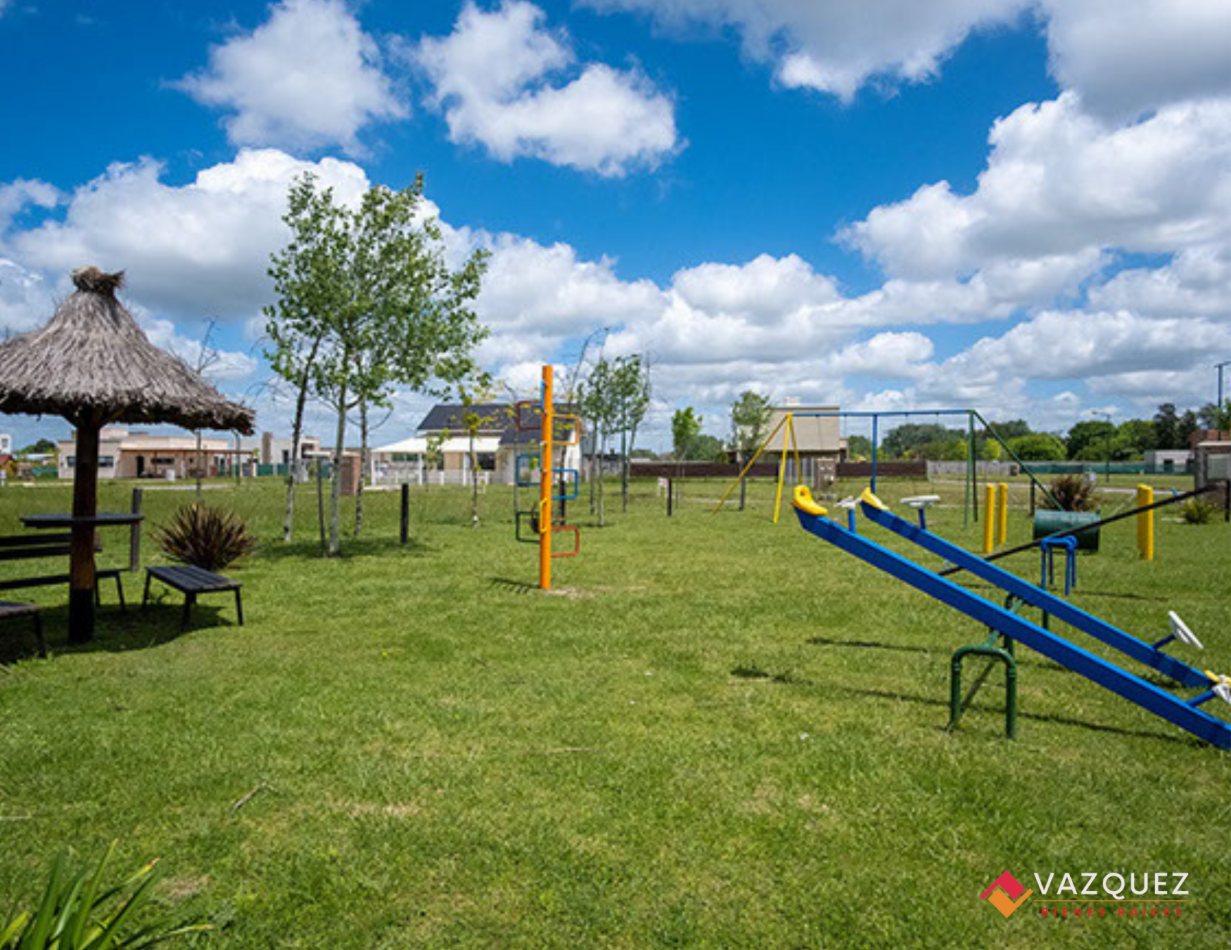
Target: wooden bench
{"x": 10, "y": 609}
{"x": 24, "y": 547}
{"x": 191, "y": 581}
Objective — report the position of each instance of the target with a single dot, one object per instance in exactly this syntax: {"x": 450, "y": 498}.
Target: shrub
{"x": 1072, "y": 492}
{"x": 206, "y": 537}
{"x": 1196, "y": 511}
{"x": 77, "y": 913}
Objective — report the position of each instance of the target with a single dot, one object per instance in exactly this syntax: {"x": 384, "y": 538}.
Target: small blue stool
{"x": 1048, "y": 548}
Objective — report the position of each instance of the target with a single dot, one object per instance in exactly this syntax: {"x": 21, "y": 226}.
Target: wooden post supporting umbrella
{"x": 92, "y": 365}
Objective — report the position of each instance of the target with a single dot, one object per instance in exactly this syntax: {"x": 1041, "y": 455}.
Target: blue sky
{"x": 1015, "y": 205}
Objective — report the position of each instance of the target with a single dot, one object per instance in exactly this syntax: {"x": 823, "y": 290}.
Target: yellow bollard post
{"x": 989, "y": 519}
{"x": 781, "y": 472}
{"x": 1145, "y": 523}
{"x": 1002, "y": 513}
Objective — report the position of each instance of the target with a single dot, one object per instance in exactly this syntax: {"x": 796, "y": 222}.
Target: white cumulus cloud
{"x": 1123, "y": 58}
{"x": 307, "y": 77}
{"x": 201, "y": 248}
{"x": 500, "y": 79}
{"x": 1060, "y": 186}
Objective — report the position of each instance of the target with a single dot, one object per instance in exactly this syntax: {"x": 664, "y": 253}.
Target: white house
{"x": 440, "y": 450}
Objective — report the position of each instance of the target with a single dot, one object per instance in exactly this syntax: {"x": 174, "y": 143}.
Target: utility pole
{"x": 1219, "y": 405}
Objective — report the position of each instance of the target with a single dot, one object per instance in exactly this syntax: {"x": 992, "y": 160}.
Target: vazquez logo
{"x": 1006, "y": 894}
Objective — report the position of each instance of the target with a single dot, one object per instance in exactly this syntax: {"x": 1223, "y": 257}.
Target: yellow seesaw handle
{"x": 802, "y": 499}
{"x": 872, "y": 500}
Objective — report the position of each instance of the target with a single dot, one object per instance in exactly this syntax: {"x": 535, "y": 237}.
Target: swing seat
{"x": 921, "y": 501}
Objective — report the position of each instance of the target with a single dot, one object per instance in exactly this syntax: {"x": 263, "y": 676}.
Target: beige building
{"x": 123, "y": 453}
{"x": 126, "y": 454}
{"x": 818, "y": 438}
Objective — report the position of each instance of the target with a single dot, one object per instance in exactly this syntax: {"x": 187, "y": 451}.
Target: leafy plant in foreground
{"x": 206, "y": 537}
{"x": 1196, "y": 511}
{"x": 77, "y": 913}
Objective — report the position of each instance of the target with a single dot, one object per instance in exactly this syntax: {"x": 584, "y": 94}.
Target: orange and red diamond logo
{"x": 1006, "y": 894}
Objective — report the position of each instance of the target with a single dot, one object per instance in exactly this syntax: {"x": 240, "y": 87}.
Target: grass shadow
{"x": 755, "y": 673}
{"x": 1033, "y": 717}
{"x": 351, "y": 547}
{"x": 510, "y": 586}
{"x": 115, "y": 631}
{"x": 866, "y": 645}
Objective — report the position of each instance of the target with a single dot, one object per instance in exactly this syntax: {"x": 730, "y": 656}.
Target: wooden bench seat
{"x": 24, "y": 547}
{"x": 10, "y": 609}
{"x": 191, "y": 581}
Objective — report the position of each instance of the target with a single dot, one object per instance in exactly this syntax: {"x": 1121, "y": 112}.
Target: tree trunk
{"x": 596, "y": 469}
{"x": 632, "y": 441}
{"x": 624, "y": 468}
{"x": 363, "y": 465}
{"x": 301, "y": 401}
{"x": 81, "y": 548}
{"x": 474, "y": 484}
{"x": 601, "y": 455}
{"x": 743, "y": 486}
{"x": 335, "y": 488}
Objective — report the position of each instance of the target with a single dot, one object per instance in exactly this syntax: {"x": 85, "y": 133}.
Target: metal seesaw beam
{"x": 1161, "y": 703}
{"x": 1059, "y": 608}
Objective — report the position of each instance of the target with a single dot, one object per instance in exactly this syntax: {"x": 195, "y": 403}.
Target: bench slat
{"x": 48, "y": 580}
{"x": 9, "y": 608}
{"x": 26, "y": 554}
{"x": 192, "y": 580}
{"x": 25, "y": 540}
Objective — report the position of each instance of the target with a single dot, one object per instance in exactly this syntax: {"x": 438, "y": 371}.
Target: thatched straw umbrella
{"x": 92, "y": 365}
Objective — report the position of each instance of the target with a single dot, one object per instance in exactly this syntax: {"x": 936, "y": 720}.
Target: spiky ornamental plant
{"x": 205, "y": 537}
{"x": 76, "y": 912}
{"x": 1071, "y": 493}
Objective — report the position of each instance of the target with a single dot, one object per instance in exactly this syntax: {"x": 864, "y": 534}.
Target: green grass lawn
{"x": 718, "y": 733}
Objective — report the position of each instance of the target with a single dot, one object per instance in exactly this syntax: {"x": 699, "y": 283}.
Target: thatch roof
{"x": 91, "y": 362}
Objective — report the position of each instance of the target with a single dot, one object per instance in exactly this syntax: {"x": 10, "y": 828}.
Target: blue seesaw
{"x": 1003, "y": 621}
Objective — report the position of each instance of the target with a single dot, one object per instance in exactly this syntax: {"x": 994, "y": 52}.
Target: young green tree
{"x": 632, "y": 393}
{"x": 393, "y": 313}
{"x": 750, "y": 415}
{"x": 601, "y": 401}
{"x": 685, "y": 428}
{"x": 434, "y": 455}
{"x": 478, "y": 414}
{"x": 307, "y": 284}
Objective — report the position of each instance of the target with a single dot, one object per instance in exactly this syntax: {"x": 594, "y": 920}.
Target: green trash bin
{"x": 1048, "y": 522}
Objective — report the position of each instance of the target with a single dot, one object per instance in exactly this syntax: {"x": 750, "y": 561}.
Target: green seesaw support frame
{"x": 1186, "y": 714}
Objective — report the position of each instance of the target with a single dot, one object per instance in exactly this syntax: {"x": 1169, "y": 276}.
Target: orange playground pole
{"x": 1002, "y": 514}
{"x": 546, "y": 474}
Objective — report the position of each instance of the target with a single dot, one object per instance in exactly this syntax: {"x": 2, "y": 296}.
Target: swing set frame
{"x": 970, "y": 495}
